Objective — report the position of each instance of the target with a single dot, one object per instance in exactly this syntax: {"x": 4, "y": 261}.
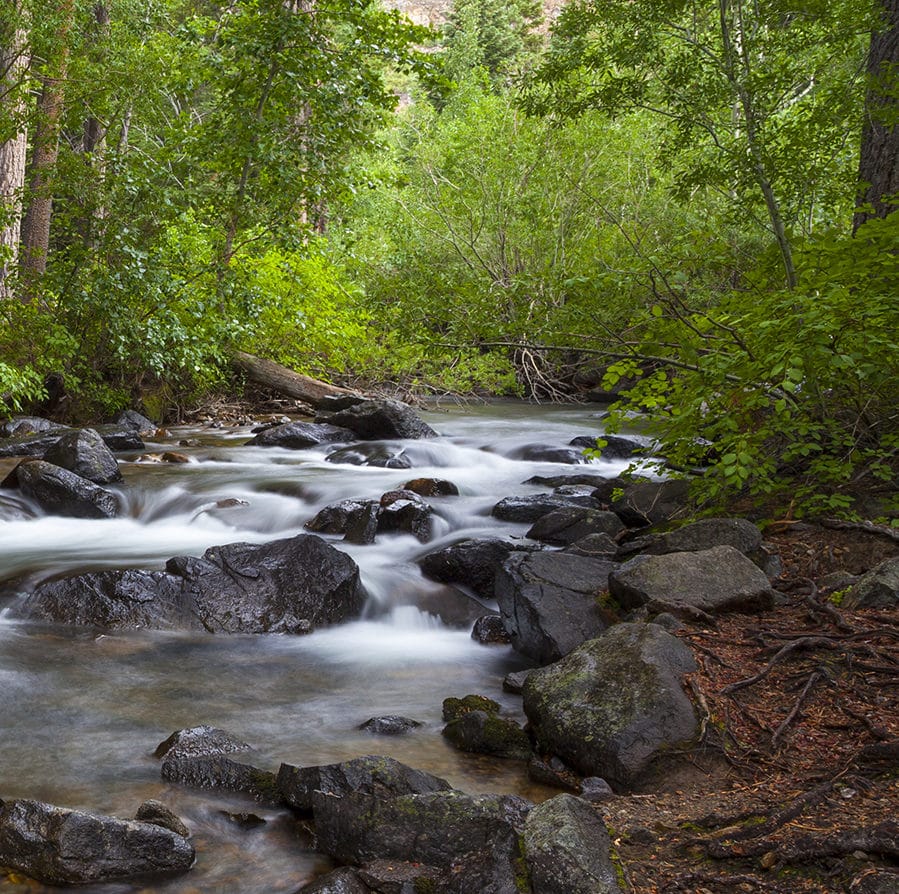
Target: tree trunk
{"x": 879, "y": 161}
{"x": 36, "y": 226}
{"x": 13, "y": 153}
{"x": 284, "y": 380}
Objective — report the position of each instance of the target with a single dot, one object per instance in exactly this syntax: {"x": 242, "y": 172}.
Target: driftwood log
{"x": 286, "y": 381}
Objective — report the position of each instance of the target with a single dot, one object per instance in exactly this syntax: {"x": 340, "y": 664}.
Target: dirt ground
{"x": 796, "y": 787}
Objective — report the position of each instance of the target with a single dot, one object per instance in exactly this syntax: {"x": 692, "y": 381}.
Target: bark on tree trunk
{"x": 879, "y": 160}
{"x": 13, "y": 153}
{"x": 284, "y": 380}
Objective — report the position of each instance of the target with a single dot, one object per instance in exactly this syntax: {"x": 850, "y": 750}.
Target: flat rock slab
{"x": 614, "y": 704}
{"x": 710, "y": 581}
{"x": 549, "y": 601}
{"x": 58, "y": 846}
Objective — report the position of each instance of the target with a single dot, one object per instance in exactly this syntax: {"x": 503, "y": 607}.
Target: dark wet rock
{"x": 568, "y": 849}
{"x": 432, "y": 487}
{"x": 156, "y": 813}
{"x": 331, "y": 403}
{"x": 279, "y": 587}
{"x": 878, "y": 588}
{"x": 85, "y": 453}
{"x": 405, "y": 512}
{"x": 120, "y": 438}
{"x": 454, "y": 708}
{"x": 438, "y": 829}
{"x": 243, "y": 819}
{"x": 339, "y": 881}
{"x": 111, "y": 600}
{"x": 589, "y": 479}
{"x": 335, "y": 519}
{"x": 473, "y": 563}
{"x": 58, "y": 846}
{"x": 23, "y": 426}
{"x": 544, "y": 453}
{"x": 596, "y": 790}
{"x": 370, "y": 775}
{"x": 197, "y": 741}
{"x": 648, "y": 503}
{"x": 389, "y": 725}
{"x": 274, "y": 587}
{"x": 533, "y": 506}
{"x": 490, "y": 630}
{"x": 135, "y": 420}
{"x": 376, "y": 455}
{"x": 299, "y": 435}
{"x": 376, "y": 420}
{"x": 61, "y": 492}
{"x": 706, "y": 533}
{"x": 614, "y": 704}
{"x": 616, "y": 446}
{"x": 550, "y": 602}
{"x": 362, "y": 524}
{"x": 571, "y": 523}
{"x": 222, "y": 774}
{"x": 11, "y": 481}
{"x": 480, "y": 732}
{"x": 553, "y": 773}
{"x": 594, "y": 546}
{"x": 710, "y": 581}
{"x": 30, "y": 445}
{"x": 515, "y": 680}
{"x": 403, "y": 877}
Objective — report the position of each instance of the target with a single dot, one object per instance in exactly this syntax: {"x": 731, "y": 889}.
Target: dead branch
{"x": 797, "y": 707}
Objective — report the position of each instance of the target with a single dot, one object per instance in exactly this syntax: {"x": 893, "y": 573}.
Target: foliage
{"x": 792, "y": 391}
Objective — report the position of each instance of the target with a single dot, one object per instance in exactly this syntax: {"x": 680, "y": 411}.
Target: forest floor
{"x": 796, "y": 787}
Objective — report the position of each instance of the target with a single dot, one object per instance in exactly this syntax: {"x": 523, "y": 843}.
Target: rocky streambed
{"x": 400, "y": 651}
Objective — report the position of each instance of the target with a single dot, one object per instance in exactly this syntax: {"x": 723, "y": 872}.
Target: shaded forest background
{"x": 691, "y": 200}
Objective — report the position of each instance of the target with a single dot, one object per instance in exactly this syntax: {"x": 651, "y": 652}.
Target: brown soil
{"x": 796, "y": 785}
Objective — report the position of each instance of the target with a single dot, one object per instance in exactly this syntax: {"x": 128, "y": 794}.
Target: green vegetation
{"x": 662, "y": 191}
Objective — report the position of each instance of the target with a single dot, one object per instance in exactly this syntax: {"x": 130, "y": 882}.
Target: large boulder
{"x": 530, "y": 507}
{"x": 571, "y": 523}
{"x": 277, "y": 587}
{"x": 438, "y": 828}
{"x": 85, "y": 453}
{"x": 878, "y": 588}
{"x": 707, "y": 582}
{"x": 377, "y": 420}
{"x": 135, "y": 420}
{"x": 645, "y": 503}
{"x": 280, "y": 587}
{"x": 57, "y": 846}
{"x": 550, "y": 601}
{"x": 568, "y": 849}
{"x": 706, "y": 533}
{"x": 61, "y": 492}
{"x": 370, "y": 775}
{"x": 614, "y": 704}
{"x": 298, "y": 435}
{"x": 218, "y": 773}
{"x": 473, "y": 563}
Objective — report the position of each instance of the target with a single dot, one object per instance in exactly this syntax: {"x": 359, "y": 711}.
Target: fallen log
{"x": 286, "y": 381}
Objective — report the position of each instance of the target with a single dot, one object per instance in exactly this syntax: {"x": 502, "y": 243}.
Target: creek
{"x": 82, "y": 712}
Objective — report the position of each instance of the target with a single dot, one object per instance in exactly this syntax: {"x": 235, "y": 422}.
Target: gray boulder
{"x": 85, "y": 453}
{"x": 339, "y": 881}
{"x": 61, "y": 492}
{"x": 614, "y": 704}
{"x": 298, "y": 435}
{"x": 279, "y": 587}
{"x": 135, "y": 420}
{"x": 23, "y": 426}
{"x": 571, "y": 523}
{"x": 706, "y": 533}
{"x": 473, "y": 563}
{"x": 377, "y": 420}
{"x": 370, "y": 775}
{"x": 645, "y": 503}
{"x": 57, "y": 846}
{"x": 533, "y": 506}
{"x": 199, "y": 740}
{"x": 878, "y": 588}
{"x": 568, "y": 849}
{"x": 550, "y": 603}
{"x": 482, "y": 732}
{"x": 216, "y": 772}
{"x": 710, "y": 581}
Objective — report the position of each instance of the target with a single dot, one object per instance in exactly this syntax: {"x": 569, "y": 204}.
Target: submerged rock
{"x": 614, "y": 704}
{"x": 376, "y": 455}
{"x": 58, "y": 846}
{"x": 389, "y": 725}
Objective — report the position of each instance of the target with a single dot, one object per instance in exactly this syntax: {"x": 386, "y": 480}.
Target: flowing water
{"x": 81, "y": 713}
